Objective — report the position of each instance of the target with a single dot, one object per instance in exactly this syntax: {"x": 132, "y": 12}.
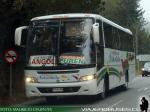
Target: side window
{"x": 108, "y": 35}
{"x": 114, "y": 38}
{"x": 126, "y": 42}
{"x": 130, "y": 48}
{"x": 118, "y": 39}
{"x": 123, "y": 41}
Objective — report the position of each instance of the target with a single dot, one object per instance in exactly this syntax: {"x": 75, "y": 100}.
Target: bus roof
{"x": 78, "y": 15}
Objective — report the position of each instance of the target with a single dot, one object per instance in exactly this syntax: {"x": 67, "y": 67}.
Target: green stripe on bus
{"x": 112, "y": 71}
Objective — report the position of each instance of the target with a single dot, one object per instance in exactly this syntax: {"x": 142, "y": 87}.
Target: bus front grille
{"x": 64, "y": 89}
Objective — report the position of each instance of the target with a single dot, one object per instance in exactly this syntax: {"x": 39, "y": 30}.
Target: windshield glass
{"x": 53, "y": 42}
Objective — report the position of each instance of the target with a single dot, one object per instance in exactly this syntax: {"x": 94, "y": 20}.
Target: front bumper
{"x": 74, "y": 88}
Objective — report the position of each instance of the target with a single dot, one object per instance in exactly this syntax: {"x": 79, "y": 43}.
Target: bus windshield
{"x": 59, "y": 42}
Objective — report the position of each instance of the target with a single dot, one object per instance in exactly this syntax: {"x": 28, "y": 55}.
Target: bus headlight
{"x": 87, "y": 77}
{"x": 31, "y": 80}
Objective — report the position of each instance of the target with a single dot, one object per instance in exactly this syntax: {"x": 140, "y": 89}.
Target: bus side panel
{"x": 117, "y": 63}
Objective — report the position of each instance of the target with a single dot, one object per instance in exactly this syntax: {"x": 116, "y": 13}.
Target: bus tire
{"x": 105, "y": 86}
{"x": 103, "y": 94}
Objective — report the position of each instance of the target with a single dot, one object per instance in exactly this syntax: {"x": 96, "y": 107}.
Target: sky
{"x": 145, "y": 4}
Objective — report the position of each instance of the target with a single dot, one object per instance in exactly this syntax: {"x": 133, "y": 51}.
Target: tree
{"x": 128, "y": 13}
{"x": 124, "y": 12}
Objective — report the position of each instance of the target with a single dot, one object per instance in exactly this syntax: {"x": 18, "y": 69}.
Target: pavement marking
{"x": 145, "y": 89}
{"x": 139, "y": 90}
{"x": 135, "y": 79}
{"x": 116, "y": 103}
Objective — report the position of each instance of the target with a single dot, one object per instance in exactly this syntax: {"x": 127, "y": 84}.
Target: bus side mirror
{"x": 21, "y": 36}
{"x": 96, "y": 33}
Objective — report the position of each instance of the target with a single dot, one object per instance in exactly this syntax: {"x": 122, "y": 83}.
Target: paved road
{"x": 129, "y": 99}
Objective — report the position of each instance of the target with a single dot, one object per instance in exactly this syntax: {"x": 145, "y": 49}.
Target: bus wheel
{"x": 105, "y": 87}
{"x": 51, "y": 99}
{"x": 103, "y": 94}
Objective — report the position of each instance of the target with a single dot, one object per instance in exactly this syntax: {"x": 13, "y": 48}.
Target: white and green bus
{"x": 75, "y": 54}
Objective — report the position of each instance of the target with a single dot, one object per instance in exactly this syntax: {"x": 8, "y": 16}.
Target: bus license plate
{"x": 57, "y": 89}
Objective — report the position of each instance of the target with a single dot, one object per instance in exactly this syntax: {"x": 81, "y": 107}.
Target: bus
{"x": 75, "y": 54}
